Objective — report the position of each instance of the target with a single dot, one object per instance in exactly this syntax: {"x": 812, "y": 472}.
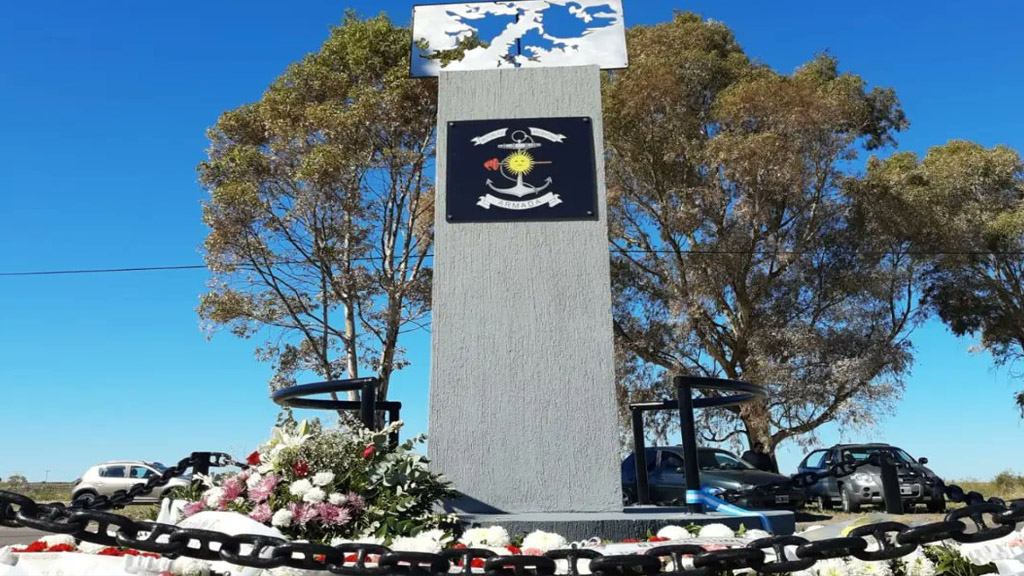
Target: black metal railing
{"x": 367, "y": 406}
{"x": 685, "y": 403}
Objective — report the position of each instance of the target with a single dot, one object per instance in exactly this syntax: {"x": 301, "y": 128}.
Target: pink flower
{"x": 331, "y": 515}
{"x": 261, "y": 513}
{"x": 533, "y": 552}
{"x": 302, "y": 513}
{"x": 192, "y": 508}
{"x": 233, "y": 488}
{"x": 368, "y": 452}
{"x": 355, "y": 502}
{"x": 263, "y": 489}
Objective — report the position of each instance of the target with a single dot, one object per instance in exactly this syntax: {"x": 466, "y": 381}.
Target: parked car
{"x": 718, "y": 469}
{"x": 918, "y": 484}
{"x": 109, "y": 477}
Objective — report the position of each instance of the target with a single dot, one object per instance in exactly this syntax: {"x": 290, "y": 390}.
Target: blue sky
{"x": 103, "y": 108}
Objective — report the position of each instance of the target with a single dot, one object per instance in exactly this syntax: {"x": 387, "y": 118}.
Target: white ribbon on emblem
{"x": 489, "y": 200}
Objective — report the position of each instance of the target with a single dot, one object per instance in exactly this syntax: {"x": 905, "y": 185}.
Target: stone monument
{"x": 523, "y": 416}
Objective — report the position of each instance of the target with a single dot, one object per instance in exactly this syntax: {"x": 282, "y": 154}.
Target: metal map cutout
{"x": 523, "y": 34}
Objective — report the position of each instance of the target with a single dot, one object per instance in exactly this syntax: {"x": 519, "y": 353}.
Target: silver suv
{"x": 109, "y": 477}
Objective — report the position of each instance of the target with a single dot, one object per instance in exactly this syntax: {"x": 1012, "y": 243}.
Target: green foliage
{"x": 962, "y": 209}
{"x": 949, "y": 562}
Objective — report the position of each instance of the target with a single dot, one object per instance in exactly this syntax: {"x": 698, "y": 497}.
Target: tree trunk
{"x": 759, "y": 431}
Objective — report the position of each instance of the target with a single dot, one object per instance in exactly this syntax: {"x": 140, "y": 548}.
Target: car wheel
{"x": 937, "y": 506}
{"x": 85, "y": 497}
{"x": 628, "y": 497}
{"x": 825, "y": 502}
{"x": 849, "y": 505}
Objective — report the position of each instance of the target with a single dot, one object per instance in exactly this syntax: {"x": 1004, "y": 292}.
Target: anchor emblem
{"x": 515, "y": 167}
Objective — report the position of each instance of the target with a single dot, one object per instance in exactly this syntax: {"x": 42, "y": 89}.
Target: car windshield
{"x": 156, "y": 466}
{"x": 865, "y": 452}
{"x": 719, "y": 460}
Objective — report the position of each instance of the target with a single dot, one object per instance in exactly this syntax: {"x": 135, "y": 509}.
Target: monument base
{"x": 618, "y": 526}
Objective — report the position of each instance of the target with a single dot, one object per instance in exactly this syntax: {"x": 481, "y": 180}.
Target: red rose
{"x": 351, "y": 558}
{"x": 630, "y": 541}
{"x": 477, "y": 563}
{"x": 459, "y": 546}
{"x": 368, "y": 452}
{"x": 301, "y": 469}
{"x": 513, "y": 550}
{"x": 254, "y": 458}
{"x": 37, "y": 546}
{"x": 110, "y": 551}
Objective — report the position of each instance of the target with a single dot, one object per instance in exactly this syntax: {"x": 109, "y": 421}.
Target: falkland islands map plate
{"x": 517, "y": 34}
{"x": 521, "y": 170}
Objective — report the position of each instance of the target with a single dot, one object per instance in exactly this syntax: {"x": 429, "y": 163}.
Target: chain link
{"x": 979, "y": 521}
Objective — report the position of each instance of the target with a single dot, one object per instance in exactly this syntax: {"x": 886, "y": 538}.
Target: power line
{"x": 614, "y": 250}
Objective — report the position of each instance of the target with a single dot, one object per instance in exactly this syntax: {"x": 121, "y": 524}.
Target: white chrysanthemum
{"x": 55, "y": 539}
{"x": 416, "y": 544}
{"x": 674, "y": 533}
{"x": 716, "y": 531}
{"x": 755, "y": 534}
{"x": 323, "y": 478}
{"x": 437, "y": 535}
{"x": 189, "y": 567}
{"x": 91, "y": 548}
{"x": 300, "y": 487}
{"x": 337, "y": 499}
{"x": 495, "y": 536}
{"x": 543, "y": 541}
{"x": 917, "y": 564}
{"x": 833, "y": 567}
{"x": 282, "y": 518}
{"x": 253, "y": 479}
{"x": 869, "y": 568}
{"x": 314, "y": 496}
{"x": 213, "y": 496}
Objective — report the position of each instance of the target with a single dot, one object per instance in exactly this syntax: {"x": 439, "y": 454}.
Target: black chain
{"x": 979, "y": 521}
{"x": 975, "y": 523}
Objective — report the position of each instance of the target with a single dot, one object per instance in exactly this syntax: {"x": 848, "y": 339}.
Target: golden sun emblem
{"x": 519, "y": 163}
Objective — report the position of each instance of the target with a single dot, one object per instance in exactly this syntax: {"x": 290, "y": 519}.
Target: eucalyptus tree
{"x": 739, "y": 250}
{"x": 962, "y": 206}
{"x": 320, "y": 209}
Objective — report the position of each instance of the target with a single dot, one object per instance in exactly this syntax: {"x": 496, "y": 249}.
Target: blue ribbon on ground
{"x": 708, "y": 497}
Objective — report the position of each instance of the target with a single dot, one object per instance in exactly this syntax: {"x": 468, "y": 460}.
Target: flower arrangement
{"x": 327, "y": 485}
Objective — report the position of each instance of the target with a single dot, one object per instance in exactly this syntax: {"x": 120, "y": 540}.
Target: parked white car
{"x": 109, "y": 477}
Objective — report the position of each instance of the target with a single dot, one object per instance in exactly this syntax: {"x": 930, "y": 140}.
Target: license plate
{"x": 782, "y": 499}
{"x": 906, "y": 490}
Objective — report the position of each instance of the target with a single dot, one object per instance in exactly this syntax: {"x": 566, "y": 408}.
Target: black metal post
{"x": 367, "y": 404}
{"x": 393, "y": 416}
{"x": 690, "y": 466}
{"x": 890, "y": 484}
{"x": 643, "y": 489}
{"x": 201, "y": 463}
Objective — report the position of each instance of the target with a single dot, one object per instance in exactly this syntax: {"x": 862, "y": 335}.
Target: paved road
{"x": 10, "y": 536}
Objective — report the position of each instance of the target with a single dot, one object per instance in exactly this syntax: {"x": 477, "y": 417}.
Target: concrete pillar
{"x": 522, "y": 398}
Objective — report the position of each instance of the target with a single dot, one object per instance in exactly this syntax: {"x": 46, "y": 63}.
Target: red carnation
{"x": 254, "y": 458}
{"x": 630, "y": 541}
{"x": 657, "y": 539}
{"x": 477, "y": 563}
{"x": 369, "y": 451}
{"x": 351, "y": 558}
{"x": 37, "y": 546}
{"x": 514, "y": 550}
{"x": 61, "y": 548}
{"x": 301, "y": 469}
